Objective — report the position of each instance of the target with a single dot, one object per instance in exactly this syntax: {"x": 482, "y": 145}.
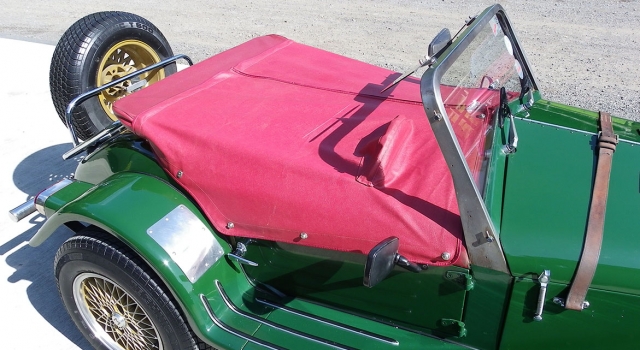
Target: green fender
{"x": 128, "y": 205}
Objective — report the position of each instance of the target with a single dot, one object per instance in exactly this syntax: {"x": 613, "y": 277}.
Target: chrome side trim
{"x": 42, "y": 197}
{"x": 274, "y": 325}
{"x": 481, "y": 236}
{"x": 85, "y": 96}
{"x": 187, "y": 241}
{"x": 329, "y": 322}
{"x": 235, "y": 332}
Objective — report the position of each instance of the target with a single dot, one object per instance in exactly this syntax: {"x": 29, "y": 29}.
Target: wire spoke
{"x": 111, "y": 309}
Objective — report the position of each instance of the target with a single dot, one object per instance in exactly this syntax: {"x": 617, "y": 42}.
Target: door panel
{"x": 419, "y": 301}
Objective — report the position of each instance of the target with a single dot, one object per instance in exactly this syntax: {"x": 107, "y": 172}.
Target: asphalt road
{"x": 584, "y": 53}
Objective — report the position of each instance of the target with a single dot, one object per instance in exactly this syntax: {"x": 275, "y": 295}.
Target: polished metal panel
{"x": 42, "y": 197}
{"x": 187, "y": 241}
{"x": 23, "y": 210}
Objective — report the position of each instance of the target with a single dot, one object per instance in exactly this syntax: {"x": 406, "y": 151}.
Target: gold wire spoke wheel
{"x": 114, "y": 316}
{"x": 123, "y": 58}
{"x": 97, "y": 49}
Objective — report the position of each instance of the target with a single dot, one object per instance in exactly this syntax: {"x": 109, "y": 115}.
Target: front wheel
{"x": 113, "y": 298}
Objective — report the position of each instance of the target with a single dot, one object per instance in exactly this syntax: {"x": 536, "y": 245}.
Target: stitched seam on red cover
{"x": 391, "y": 99}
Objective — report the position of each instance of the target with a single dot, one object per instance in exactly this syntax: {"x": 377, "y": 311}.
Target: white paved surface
{"x": 32, "y": 140}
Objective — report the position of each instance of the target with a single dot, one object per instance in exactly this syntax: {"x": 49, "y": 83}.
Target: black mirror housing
{"x": 380, "y": 261}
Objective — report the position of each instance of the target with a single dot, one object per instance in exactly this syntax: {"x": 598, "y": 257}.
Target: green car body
{"x": 536, "y": 202}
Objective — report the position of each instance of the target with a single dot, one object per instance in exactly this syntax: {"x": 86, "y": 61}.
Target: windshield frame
{"x": 482, "y": 239}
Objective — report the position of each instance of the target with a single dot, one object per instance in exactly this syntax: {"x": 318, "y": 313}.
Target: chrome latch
{"x": 238, "y": 255}
{"x": 543, "y": 279}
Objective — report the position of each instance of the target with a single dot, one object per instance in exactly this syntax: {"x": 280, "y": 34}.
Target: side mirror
{"x": 439, "y": 42}
{"x": 381, "y": 260}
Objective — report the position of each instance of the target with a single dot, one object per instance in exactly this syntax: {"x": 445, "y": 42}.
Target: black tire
{"x": 91, "y": 52}
{"x": 93, "y": 260}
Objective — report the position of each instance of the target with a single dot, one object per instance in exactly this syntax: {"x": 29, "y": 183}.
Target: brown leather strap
{"x": 607, "y": 142}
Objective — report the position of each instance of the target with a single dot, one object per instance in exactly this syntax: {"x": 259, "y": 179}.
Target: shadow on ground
{"x": 44, "y": 168}
{"x": 35, "y": 264}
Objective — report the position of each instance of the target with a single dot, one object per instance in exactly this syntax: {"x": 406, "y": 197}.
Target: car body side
{"x": 535, "y": 201}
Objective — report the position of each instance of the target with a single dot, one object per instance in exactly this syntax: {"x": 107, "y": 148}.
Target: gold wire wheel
{"x": 114, "y": 316}
{"x": 123, "y": 58}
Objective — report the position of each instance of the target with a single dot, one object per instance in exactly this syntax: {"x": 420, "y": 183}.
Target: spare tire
{"x": 96, "y": 50}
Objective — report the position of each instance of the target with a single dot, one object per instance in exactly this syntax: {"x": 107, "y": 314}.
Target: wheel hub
{"x": 119, "y": 320}
{"x": 115, "y": 72}
{"x": 123, "y": 58}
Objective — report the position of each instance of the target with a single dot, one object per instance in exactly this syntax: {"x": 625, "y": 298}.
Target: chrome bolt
{"x": 445, "y": 256}
{"x": 230, "y": 225}
{"x": 179, "y": 174}
{"x": 304, "y": 235}
{"x": 489, "y": 237}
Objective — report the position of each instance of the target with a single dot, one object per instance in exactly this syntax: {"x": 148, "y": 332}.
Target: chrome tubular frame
{"x": 85, "y": 96}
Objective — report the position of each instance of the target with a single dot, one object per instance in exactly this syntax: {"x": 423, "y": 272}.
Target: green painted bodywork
{"x": 537, "y": 198}
{"x": 418, "y": 301}
{"x": 546, "y": 204}
{"x": 126, "y": 153}
{"x": 127, "y": 204}
{"x": 547, "y": 192}
{"x": 485, "y": 308}
{"x": 609, "y": 323}
{"x": 581, "y": 119}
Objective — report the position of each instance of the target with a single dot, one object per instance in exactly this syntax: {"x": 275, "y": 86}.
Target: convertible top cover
{"x": 280, "y": 141}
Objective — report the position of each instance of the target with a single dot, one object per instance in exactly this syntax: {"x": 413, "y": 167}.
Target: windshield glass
{"x": 470, "y": 92}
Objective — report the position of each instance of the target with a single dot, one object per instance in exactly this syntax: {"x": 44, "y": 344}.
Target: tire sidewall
{"x": 99, "y": 45}
{"x": 77, "y": 261}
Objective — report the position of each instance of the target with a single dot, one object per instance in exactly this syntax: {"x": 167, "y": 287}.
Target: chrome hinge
{"x": 458, "y": 326}
{"x": 463, "y": 278}
{"x": 238, "y": 255}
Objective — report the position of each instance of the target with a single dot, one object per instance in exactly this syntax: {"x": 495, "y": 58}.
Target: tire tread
{"x": 101, "y": 243}
{"x": 65, "y": 71}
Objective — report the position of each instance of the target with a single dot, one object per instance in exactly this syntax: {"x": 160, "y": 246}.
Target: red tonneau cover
{"x": 281, "y": 138}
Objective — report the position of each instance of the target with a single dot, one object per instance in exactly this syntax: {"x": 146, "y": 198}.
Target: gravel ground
{"x": 584, "y": 52}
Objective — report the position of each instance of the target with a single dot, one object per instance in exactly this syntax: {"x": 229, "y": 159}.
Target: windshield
{"x": 470, "y": 92}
